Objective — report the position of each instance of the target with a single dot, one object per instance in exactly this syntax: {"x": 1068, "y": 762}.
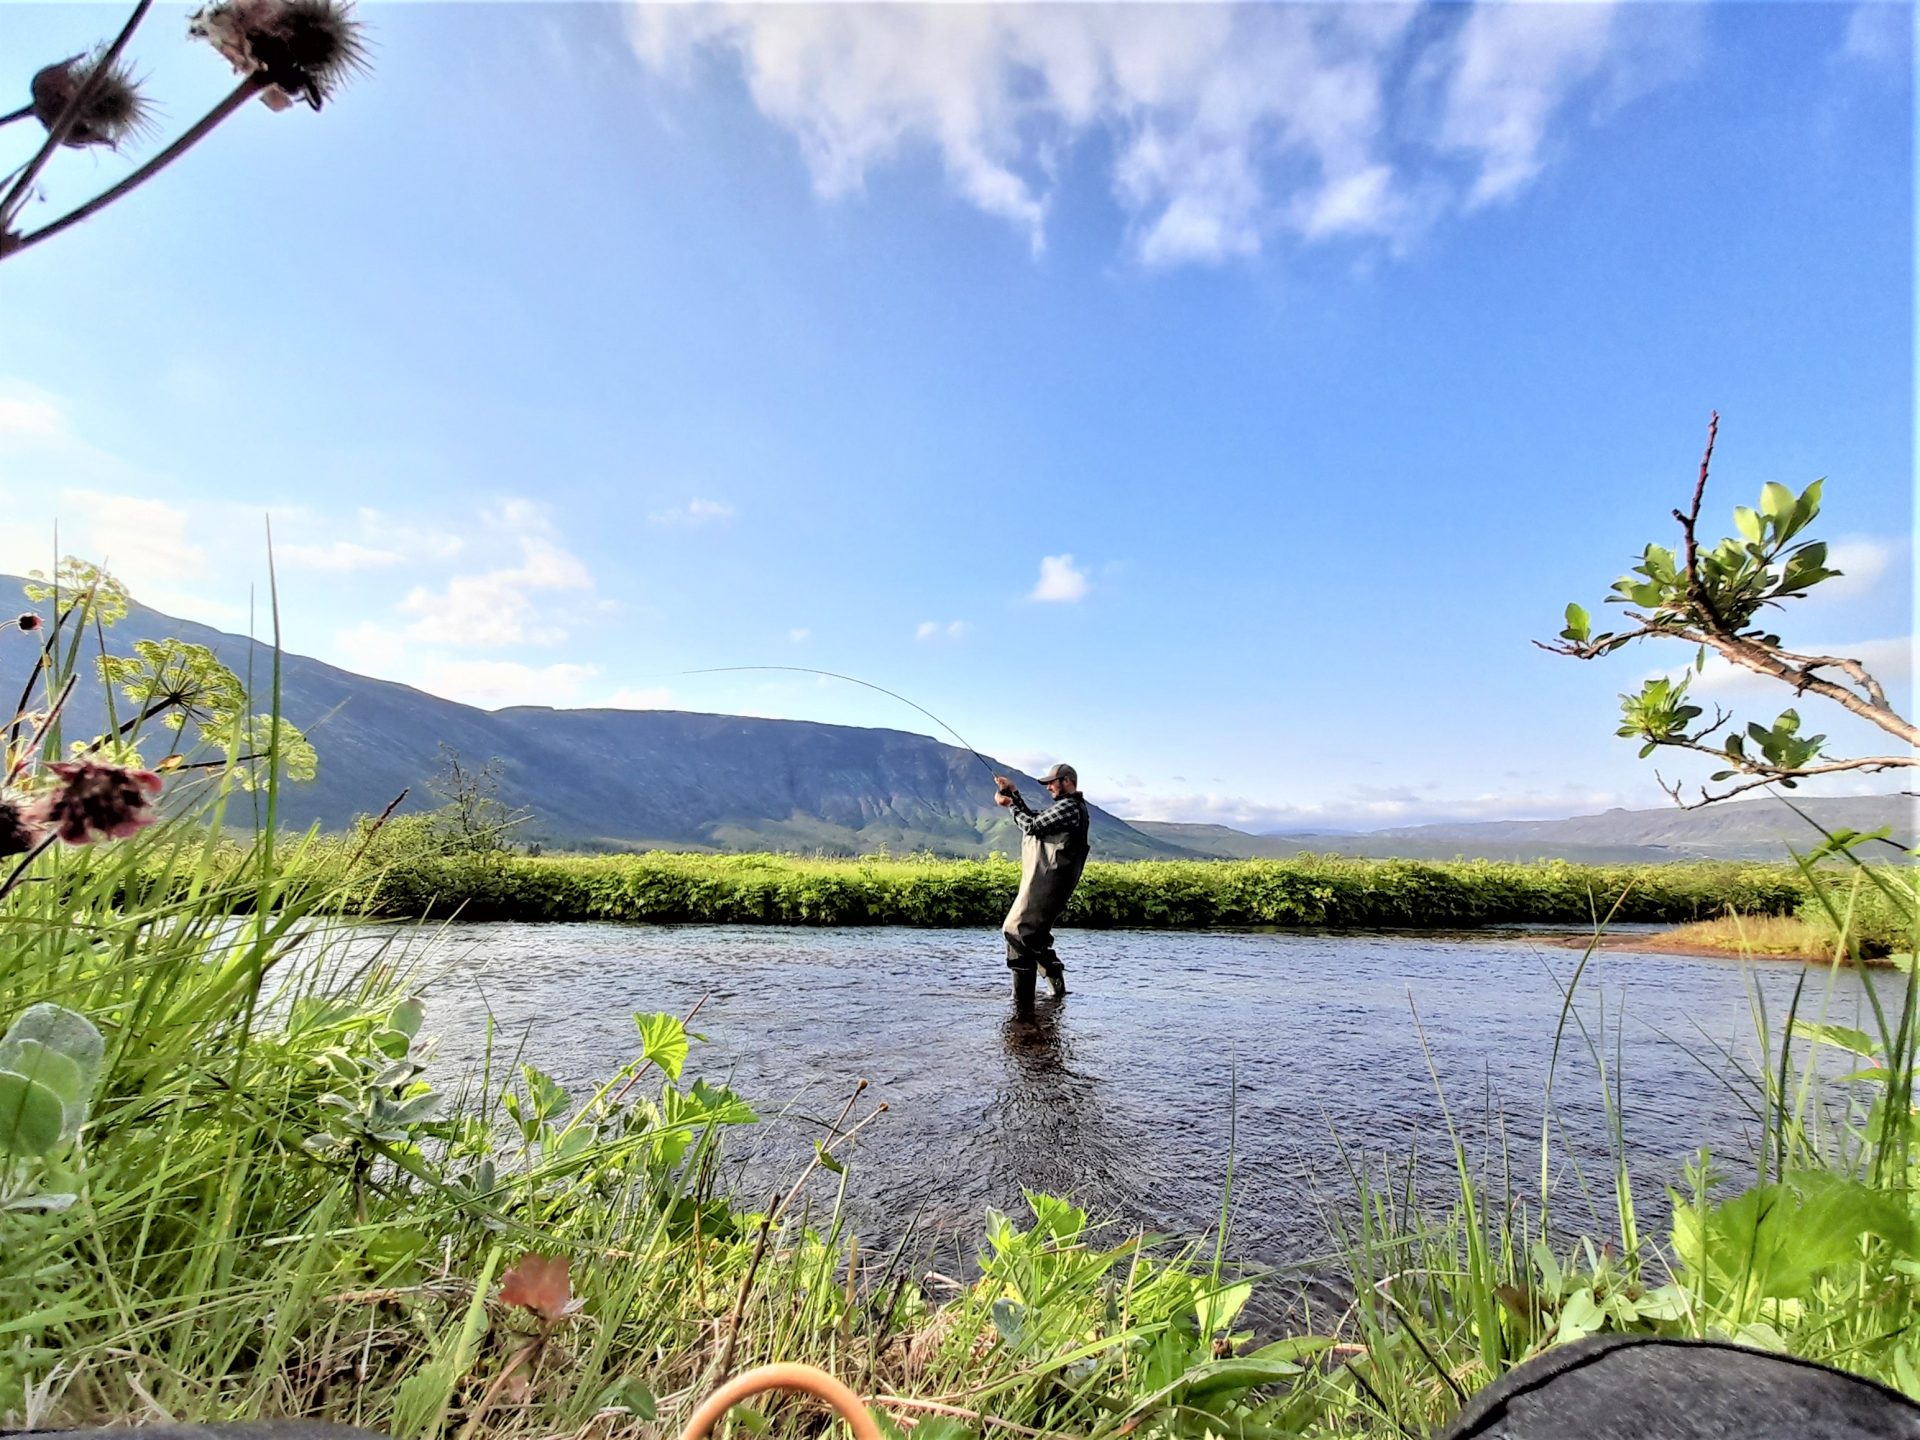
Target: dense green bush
{"x": 1317, "y": 891}
{"x": 1879, "y": 906}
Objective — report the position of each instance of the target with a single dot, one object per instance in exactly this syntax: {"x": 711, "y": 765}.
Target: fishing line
{"x": 853, "y": 680}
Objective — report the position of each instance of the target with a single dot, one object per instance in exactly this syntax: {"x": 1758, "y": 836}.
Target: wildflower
{"x": 28, "y": 622}
{"x": 97, "y": 802}
{"x": 303, "y": 49}
{"x": 19, "y": 831}
{"x": 114, "y": 112}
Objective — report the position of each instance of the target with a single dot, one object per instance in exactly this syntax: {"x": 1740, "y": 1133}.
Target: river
{"x": 1173, "y": 1052}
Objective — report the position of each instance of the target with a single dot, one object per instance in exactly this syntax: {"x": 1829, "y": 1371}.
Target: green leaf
{"x": 406, "y": 1017}
{"x": 1240, "y": 1373}
{"x": 827, "y": 1161}
{"x": 1580, "y": 1316}
{"x": 1216, "y": 1312}
{"x": 31, "y": 1116}
{"x": 1856, "y": 1042}
{"x": 1748, "y": 523}
{"x": 663, "y": 1040}
{"x": 1579, "y": 625}
{"x": 1776, "y": 502}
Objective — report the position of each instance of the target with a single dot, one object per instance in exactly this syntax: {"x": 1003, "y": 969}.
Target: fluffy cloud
{"x": 1889, "y": 661}
{"x": 497, "y": 607}
{"x": 1227, "y": 125}
{"x": 1060, "y": 581}
{"x": 492, "y": 684}
{"x": 1879, "y": 32}
{"x": 631, "y": 698}
{"x": 800, "y": 635}
{"x": 694, "y": 512}
{"x": 339, "y": 557}
{"x": 934, "y": 630}
{"x": 1365, "y": 808}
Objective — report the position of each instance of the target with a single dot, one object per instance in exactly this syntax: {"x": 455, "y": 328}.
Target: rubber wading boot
{"x": 1023, "y": 990}
{"x": 1056, "y": 977}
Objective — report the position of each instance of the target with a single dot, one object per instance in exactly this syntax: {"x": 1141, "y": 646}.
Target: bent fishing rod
{"x": 855, "y": 680}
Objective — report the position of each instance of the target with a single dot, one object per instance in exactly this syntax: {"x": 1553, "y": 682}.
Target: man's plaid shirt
{"x": 1068, "y": 813}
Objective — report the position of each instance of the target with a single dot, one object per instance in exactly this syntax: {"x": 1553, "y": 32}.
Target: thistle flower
{"x": 28, "y": 622}
{"x": 303, "y": 49}
{"x": 96, "y": 802}
{"x": 115, "y": 112}
{"x": 19, "y": 831}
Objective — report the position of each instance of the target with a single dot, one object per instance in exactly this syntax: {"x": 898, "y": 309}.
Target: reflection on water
{"x": 1174, "y": 1052}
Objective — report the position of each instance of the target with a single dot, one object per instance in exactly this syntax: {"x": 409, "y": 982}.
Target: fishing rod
{"x": 855, "y": 680}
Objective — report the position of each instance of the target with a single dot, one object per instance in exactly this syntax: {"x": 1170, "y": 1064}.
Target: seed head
{"x": 305, "y": 49}
{"x": 29, "y": 622}
{"x": 114, "y": 113}
{"x": 96, "y": 802}
{"x": 19, "y": 831}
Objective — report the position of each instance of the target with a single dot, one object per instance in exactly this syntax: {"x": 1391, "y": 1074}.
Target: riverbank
{"x": 1335, "y": 892}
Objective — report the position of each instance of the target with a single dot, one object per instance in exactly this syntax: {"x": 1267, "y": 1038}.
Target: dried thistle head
{"x": 91, "y": 801}
{"x": 115, "y": 112}
{"x": 304, "y": 49}
{"x": 19, "y": 830}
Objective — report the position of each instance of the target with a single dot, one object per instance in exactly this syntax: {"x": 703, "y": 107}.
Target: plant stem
{"x": 241, "y": 93}
{"x": 22, "y": 113}
{"x": 69, "y": 117}
{"x": 20, "y": 870}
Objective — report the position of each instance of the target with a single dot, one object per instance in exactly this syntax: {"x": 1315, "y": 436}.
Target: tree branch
{"x": 1689, "y": 525}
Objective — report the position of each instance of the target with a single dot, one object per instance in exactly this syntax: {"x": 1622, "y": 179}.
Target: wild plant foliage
{"x": 1717, "y": 598}
{"x": 283, "y": 50}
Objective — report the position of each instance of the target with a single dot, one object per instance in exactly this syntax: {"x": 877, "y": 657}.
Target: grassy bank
{"x": 1331, "y": 891}
{"x": 274, "y": 1203}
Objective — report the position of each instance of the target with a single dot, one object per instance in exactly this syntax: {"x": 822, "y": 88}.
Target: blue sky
{"x": 1219, "y": 398}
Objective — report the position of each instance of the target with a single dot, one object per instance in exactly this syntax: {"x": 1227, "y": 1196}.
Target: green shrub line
{"x": 1316, "y": 891}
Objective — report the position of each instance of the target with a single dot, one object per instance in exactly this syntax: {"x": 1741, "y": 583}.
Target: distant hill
{"x": 627, "y": 779}
{"x": 1765, "y": 829}
{"x": 641, "y": 779}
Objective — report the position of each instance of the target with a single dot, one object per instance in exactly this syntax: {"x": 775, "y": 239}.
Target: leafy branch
{"x": 1714, "y": 598}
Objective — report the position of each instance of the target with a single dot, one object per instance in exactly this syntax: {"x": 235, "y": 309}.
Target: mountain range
{"x": 606, "y": 779}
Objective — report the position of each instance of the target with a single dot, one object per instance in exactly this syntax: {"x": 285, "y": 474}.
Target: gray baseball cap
{"x": 1061, "y": 772}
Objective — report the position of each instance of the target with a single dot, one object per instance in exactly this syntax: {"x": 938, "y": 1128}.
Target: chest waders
{"x": 1050, "y": 868}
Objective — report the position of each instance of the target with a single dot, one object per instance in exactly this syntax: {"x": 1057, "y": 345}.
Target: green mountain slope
{"x": 621, "y": 779}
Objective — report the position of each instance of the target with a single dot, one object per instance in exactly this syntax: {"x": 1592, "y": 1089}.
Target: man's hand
{"x": 1004, "y": 785}
{"x": 1003, "y": 800}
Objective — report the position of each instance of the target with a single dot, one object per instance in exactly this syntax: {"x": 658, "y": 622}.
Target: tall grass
{"x": 1332, "y": 891}
{"x": 1810, "y": 1247}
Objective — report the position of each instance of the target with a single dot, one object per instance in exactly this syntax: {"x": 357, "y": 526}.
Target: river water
{"x": 1173, "y": 1053}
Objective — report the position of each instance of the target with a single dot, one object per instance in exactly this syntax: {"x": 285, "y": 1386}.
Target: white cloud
{"x": 1059, "y": 580}
{"x": 694, "y": 512}
{"x": 1889, "y": 661}
{"x": 496, "y": 607}
{"x": 496, "y": 683}
{"x": 800, "y": 635}
{"x": 1364, "y": 808}
{"x": 1862, "y": 561}
{"x": 1879, "y": 32}
{"x": 1513, "y": 67}
{"x": 1226, "y": 125}
{"x": 630, "y": 698}
{"x": 31, "y": 414}
{"x": 339, "y": 557}
{"x": 934, "y": 630}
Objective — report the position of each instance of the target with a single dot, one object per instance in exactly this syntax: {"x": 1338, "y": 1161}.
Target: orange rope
{"x": 787, "y": 1376}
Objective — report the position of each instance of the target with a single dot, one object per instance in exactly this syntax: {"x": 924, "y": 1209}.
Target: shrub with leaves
{"x": 1716, "y": 598}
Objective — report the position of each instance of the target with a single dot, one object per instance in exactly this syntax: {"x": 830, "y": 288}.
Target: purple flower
{"x": 29, "y": 622}
{"x": 97, "y": 802}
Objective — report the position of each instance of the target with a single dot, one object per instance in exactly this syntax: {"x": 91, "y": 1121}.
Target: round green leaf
{"x": 30, "y": 1116}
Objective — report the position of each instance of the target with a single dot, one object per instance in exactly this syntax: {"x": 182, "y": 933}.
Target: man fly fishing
{"x": 1053, "y": 852}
